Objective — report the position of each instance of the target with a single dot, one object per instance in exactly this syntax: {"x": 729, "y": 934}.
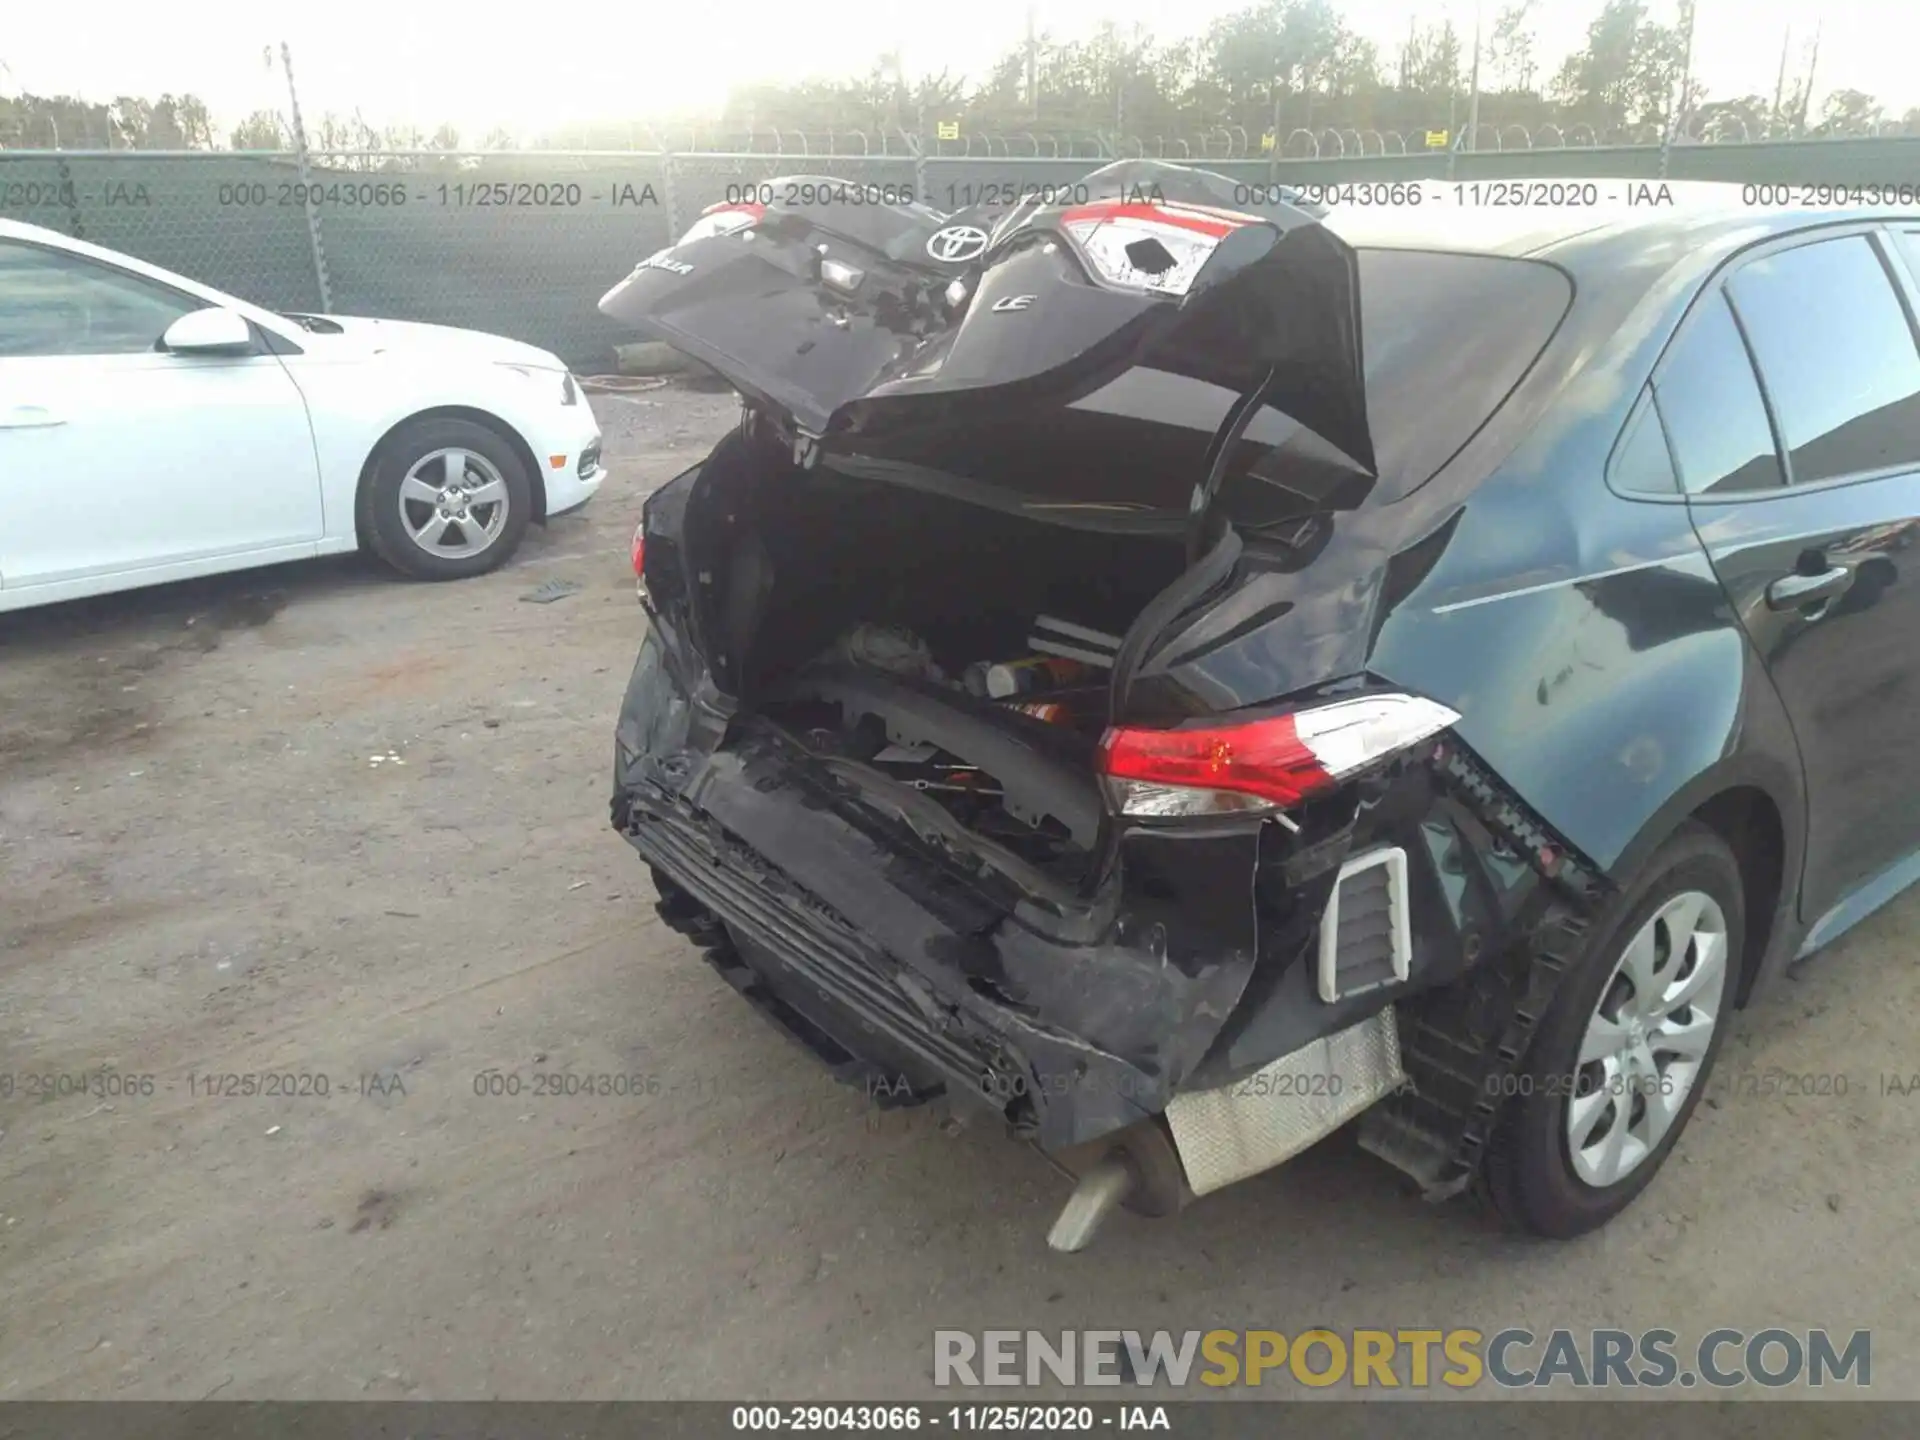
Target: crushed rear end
{"x": 1160, "y": 936}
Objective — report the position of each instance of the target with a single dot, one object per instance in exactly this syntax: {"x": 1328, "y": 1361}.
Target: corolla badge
{"x": 663, "y": 260}
{"x": 956, "y": 243}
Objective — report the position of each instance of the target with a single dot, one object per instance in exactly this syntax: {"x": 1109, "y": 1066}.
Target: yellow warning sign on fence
{"x": 1436, "y": 139}
{"x": 947, "y": 129}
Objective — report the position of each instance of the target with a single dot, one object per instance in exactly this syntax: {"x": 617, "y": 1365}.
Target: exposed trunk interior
{"x": 818, "y": 564}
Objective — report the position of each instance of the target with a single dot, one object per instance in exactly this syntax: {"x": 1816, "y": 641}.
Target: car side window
{"x": 1642, "y": 464}
{"x": 1710, "y": 401}
{"x": 1839, "y": 358}
{"x": 55, "y": 303}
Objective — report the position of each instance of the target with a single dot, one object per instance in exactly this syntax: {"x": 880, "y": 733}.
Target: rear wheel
{"x": 1621, "y": 1056}
{"x": 448, "y": 499}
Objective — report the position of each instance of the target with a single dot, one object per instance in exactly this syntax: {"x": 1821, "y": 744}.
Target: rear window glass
{"x": 1446, "y": 337}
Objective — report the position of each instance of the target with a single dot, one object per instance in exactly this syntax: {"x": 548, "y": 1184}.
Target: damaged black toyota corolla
{"x": 1184, "y": 679}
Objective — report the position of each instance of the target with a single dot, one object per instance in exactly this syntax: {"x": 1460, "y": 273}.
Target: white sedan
{"x": 154, "y": 429}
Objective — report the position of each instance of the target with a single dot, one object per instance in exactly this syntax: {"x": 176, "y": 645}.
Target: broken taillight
{"x": 1159, "y": 246}
{"x": 1266, "y": 764}
{"x": 723, "y": 219}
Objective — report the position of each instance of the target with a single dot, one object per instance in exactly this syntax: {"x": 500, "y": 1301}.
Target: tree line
{"x": 1272, "y": 68}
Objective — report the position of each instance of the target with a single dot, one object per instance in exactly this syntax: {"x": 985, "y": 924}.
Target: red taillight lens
{"x": 1260, "y": 764}
{"x": 1263, "y": 758}
{"x": 723, "y": 219}
{"x": 640, "y": 552}
{"x": 1199, "y": 219}
{"x": 1118, "y": 237}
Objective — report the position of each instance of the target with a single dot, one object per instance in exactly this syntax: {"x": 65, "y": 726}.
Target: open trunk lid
{"x": 1107, "y": 363}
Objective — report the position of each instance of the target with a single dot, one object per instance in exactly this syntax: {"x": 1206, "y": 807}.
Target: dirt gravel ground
{"x": 315, "y": 824}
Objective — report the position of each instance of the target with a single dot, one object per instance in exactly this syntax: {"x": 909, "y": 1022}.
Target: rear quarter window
{"x": 1642, "y": 463}
{"x": 1446, "y": 338}
{"x": 1710, "y": 402}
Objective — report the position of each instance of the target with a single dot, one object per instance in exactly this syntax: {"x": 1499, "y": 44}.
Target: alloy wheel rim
{"x": 1647, "y": 1038}
{"x": 453, "y": 503}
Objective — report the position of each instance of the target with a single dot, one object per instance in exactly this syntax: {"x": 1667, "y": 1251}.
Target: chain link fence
{"x": 1707, "y": 124}
{"x": 166, "y": 210}
{"x": 525, "y": 243}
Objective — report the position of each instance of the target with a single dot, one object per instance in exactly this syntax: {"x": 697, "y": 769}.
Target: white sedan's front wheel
{"x": 448, "y": 499}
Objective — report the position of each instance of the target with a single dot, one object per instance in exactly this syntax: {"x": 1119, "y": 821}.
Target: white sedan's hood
{"x": 412, "y": 337}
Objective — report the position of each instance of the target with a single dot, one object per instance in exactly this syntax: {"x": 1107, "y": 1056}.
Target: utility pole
{"x": 1780, "y": 84}
{"x": 306, "y": 189}
{"x": 1033, "y": 83}
{"x": 1677, "y": 103}
{"x": 1453, "y": 95}
{"x": 1273, "y": 155}
{"x": 1473, "y": 104}
{"x": 1813, "y": 64}
{"x": 1683, "y": 99}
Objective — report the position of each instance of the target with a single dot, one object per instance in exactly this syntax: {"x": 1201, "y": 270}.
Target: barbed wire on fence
{"x": 524, "y": 241}
{"x": 1222, "y": 142}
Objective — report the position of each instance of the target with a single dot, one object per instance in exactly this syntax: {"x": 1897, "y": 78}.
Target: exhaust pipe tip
{"x": 1101, "y": 1191}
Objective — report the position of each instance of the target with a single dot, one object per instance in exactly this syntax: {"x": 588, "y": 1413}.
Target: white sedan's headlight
{"x": 569, "y": 392}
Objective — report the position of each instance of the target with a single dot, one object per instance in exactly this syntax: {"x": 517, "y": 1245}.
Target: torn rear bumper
{"x": 908, "y": 966}
{"x": 934, "y": 1009}
{"x": 805, "y": 968}
{"x": 818, "y": 980}
{"x": 1183, "y": 999}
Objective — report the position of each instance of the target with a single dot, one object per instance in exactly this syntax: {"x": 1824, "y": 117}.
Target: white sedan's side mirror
{"x": 209, "y": 332}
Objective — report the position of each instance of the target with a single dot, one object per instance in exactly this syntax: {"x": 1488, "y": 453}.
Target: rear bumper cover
{"x": 808, "y": 969}
{"x": 915, "y": 997}
{"x": 912, "y": 977}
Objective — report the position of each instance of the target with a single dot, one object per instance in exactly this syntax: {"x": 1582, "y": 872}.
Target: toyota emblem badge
{"x": 956, "y": 243}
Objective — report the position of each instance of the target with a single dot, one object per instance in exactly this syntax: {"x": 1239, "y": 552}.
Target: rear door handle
{"x": 1799, "y": 592}
{"x": 29, "y": 417}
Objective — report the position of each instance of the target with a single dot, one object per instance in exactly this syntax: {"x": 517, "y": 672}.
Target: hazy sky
{"x": 479, "y": 63}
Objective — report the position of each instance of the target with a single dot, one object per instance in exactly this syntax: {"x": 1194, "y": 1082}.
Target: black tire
{"x": 380, "y": 513}
{"x": 1528, "y": 1173}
